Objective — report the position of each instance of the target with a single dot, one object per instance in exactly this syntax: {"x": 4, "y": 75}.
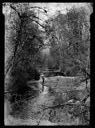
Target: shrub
{"x": 33, "y": 74}
{"x": 18, "y": 83}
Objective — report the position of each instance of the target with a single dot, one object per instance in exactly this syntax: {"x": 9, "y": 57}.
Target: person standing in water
{"x": 43, "y": 81}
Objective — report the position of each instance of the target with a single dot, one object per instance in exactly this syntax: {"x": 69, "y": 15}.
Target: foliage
{"x": 24, "y": 36}
{"x": 24, "y": 41}
{"x": 70, "y": 41}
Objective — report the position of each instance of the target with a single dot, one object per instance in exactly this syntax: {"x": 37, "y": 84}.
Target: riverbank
{"x": 41, "y": 111}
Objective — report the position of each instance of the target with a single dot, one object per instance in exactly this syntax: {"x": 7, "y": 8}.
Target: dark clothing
{"x": 43, "y": 80}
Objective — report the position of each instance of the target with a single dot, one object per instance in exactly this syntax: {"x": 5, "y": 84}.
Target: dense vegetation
{"x": 23, "y": 40}
{"x": 69, "y": 39}
{"x": 68, "y": 45}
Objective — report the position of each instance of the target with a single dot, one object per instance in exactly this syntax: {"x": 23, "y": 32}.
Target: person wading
{"x": 43, "y": 81}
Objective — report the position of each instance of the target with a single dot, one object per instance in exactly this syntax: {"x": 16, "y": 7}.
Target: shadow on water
{"x": 19, "y": 100}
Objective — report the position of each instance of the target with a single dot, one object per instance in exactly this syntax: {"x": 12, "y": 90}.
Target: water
{"x": 45, "y": 91}
{"x": 39, "y": 84}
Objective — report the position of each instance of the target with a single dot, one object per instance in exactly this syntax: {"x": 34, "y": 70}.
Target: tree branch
{"x": 15, "y": 10}
{"x": 58, "y": 106}
{"x": 39, "y": 23}
{"x": 40, "y": 118}
{"x": 36, "y": 17}
{"x": 39, "y": 8}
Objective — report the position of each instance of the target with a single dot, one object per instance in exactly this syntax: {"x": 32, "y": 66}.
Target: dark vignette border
{"x": 92, "y": 61}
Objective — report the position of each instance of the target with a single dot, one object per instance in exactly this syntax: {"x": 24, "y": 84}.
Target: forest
{"x": 57, "y": 48}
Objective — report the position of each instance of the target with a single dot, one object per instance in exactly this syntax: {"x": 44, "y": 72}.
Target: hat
{"x": 42, "y": 74}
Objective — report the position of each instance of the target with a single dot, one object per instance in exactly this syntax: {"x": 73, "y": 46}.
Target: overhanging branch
{"x": 15, "y": 10}
{"x": 39, "y": 8}
{"x": 36, "y": 17}
{"x": 39, "y": 23}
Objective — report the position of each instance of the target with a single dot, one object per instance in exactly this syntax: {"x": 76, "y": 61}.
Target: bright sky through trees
{"x": 53, "y": 7}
